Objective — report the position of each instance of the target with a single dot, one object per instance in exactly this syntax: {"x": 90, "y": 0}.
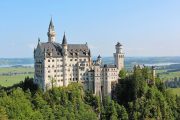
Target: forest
{"x": 137, "y": 96}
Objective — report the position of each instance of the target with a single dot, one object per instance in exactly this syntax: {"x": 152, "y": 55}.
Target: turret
{"x": 99, "y": 60}
{"x": 65, "y": 57}
{"x": 119, "y": 48}
{"x": 51, "y": 32}
{"x": 64, "y": 44}
{"x": 119, "y": 56}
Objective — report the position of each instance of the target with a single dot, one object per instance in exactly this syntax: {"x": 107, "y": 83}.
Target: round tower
{"x": 119, "y": 56}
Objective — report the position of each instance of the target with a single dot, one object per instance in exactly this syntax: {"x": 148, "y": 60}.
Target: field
{"x": 164, "y": 75}
{"x": 16, "y": 69}
{"x": 15, "y": 75}
{"x": 175, "y": 91}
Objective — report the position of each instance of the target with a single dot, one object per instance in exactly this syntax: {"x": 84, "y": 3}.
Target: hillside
{"x": 133, "y": 98}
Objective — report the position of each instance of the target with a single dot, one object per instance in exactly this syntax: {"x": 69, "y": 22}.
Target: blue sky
{"x": 144, "y": 27}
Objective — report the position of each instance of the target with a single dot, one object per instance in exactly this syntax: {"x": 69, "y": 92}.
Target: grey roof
{"x": 81, "y": 50}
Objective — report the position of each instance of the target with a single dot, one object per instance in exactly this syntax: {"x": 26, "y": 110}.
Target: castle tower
{"x": 97, "y": 80}
{"x": 65, "y": 57}
{"x": 51, "y": 32}
{"x": 119, "y": 57}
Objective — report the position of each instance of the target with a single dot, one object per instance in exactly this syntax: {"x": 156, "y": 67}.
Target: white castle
{"x": 61, "y": 64}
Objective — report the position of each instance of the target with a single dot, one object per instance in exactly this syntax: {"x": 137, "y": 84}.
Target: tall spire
{"x": 51, "y": 32}
{"x": 64, "y": 41}
{"x": 51, "y": 26}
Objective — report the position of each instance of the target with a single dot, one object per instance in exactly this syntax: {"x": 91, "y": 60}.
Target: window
{"x": 48, "y": 60}
{"x": 52, "y": 60}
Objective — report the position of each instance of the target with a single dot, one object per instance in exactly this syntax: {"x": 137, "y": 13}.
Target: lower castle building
{"x": 61, "y": 64}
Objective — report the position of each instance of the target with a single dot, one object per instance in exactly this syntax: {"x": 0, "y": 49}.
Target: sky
{"x": 144, "y": 27}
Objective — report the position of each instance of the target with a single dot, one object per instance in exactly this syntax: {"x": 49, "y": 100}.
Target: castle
{"x": 61, "y": 64}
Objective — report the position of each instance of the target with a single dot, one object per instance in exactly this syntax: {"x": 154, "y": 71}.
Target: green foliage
{"x": 174, "y": 91}
{"x": 134, "y": 99}
{"x": 122, "y": 74}
{"x": 148, "y": 101}
{"x": 111, "y": 110}
{"x": 59, "y": 103}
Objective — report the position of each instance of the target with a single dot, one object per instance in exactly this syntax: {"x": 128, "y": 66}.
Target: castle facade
{"x": 61, "y": 64}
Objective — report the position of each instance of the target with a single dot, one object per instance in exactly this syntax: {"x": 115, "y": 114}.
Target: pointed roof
{"x": 51, "y": 25}
{"x": 39, "y": 43}
{"x": 64, "y": 41}
{"x": 38, "y": 39}
{"x": 99, "y": 56}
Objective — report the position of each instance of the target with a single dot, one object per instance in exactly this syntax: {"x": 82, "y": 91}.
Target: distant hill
{"x": 6, "y": 62}
{"x": 129, "y": 61}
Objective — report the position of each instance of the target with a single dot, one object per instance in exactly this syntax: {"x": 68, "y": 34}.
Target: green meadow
{"x": 16, "y": 69}
{"x": 9, "y": 80}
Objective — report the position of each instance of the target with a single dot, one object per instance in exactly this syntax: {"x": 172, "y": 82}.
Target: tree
{"x": 122, "y": 74}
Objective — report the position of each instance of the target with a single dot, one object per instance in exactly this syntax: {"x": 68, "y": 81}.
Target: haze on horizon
{"x": 144, "y": 27}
